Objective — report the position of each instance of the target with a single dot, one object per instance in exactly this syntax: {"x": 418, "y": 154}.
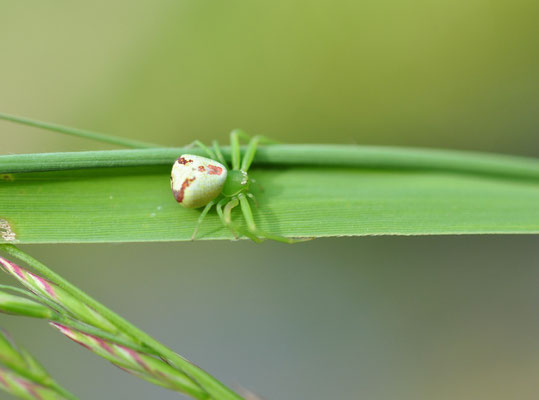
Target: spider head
{"x": 237, "y": 181}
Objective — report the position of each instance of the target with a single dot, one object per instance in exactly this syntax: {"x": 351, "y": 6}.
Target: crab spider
{"x": 206, "y": 182}
{"x": 198, "y": 181}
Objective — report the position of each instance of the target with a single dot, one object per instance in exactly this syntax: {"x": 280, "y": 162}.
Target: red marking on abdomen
{"x": 214, "y": 170}
{"x": 184, "y": 161}
{"x": 201, "y": 168}
{"x": 178, "y": 195}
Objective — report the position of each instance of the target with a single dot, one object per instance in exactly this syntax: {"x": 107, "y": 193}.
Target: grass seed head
{"x": 56, "y": 294}
{"x": 23, "y": 388}
{"x": 142, "y": 365}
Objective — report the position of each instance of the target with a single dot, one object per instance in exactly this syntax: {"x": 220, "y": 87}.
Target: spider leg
{"x": 201, "y": 218}
{"x": 235, "y": 148}
{"x": 227, "y": 221}
{"x": 228, "y": 210}
{"x": 261, "y": 138}
{"x": 247, "y": 213}
{"x": 251, "y": 150}
{"x": 198, "y": 143}
{"x": 218, "y": 153}
{"x": 250, "y": 235}
{"x": 249, "y": 153}
{"x": 255, "y": 233}
{"x": 219, "y": 207}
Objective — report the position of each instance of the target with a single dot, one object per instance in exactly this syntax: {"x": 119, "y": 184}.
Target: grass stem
{"x": 101, "y": 137}
{"x": 396, "y": 158}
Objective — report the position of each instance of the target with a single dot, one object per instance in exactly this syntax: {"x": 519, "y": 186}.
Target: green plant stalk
{"x": 53, "y": 306}
{"x": 213, "y": 387}
{"x": 18, "y": 305}
{"x": 325, "y": 155}
{"x": 291, "y": 154}
{"x": 78, "y": 132}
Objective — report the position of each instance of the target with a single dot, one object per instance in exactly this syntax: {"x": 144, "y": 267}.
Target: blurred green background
{"x": 356, "y": 318}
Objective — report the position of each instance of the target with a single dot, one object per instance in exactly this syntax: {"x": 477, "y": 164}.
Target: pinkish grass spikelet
{"x": 142, "y": 365}
{"x": 25, "y": 376}
{"x": 56, "y": 294}
{"x": 92, "y": 325}
{"x": 25, "y": 389}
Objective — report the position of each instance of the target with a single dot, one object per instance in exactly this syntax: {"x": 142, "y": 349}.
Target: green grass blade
{"x": 101, "y": 137}
{"x": 365, "y": 191}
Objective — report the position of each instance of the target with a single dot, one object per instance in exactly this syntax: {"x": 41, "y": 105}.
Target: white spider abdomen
{"x": 196, "y": 180}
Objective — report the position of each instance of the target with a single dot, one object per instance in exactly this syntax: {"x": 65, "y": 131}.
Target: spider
{"x": 206, "y": 182}
{"x": 199, "y": 181}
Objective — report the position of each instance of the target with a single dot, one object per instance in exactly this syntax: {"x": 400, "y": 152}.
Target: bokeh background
{"x": 356, "y": 318}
